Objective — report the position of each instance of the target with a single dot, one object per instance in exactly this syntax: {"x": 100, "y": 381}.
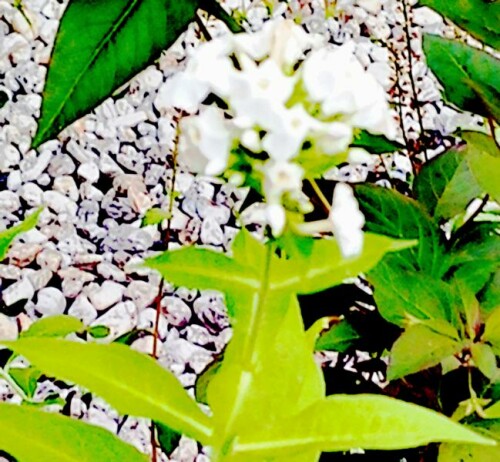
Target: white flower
{"x": 205, "y": 141}
{"x": 281, "y": 39}
{"x": 347, "y": 221}
{"x": 332, "y": 137}
{"x": 284, "y": 140}
{"x": 275, "y": 216}
{"x": 182, "y": 91}
{"x": 281, "y": 177}
{"x": 372, "y": 6}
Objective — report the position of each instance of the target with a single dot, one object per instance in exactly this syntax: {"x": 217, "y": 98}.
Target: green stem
{"x": 213, "y": 7}
{"x": 12, "y": 383}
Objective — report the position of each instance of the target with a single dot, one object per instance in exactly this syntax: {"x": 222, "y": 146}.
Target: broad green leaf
{"x": 7, "y": 236}
{"x": 3, "y": 99}
{"x": 54, "y": 326}
{"x": 485, "y": 360}
{"x": 31, "y": 435}
{"x": 99, "y": 47}
{"x": 470, "y": 77}
{"x": 168, "y": 438}
{"x": 493, "y": 412}
{"x": 203, "y": 269}
{"x": 340, "y": 337}
{"x": 201, "y": 385}
{"x": 419, "y": 348}
{"x": 483, "y": 157}
{"x": 417, "y": 295}
{"x": 131, "y": 382}
{"x": 155, "y": 216}
{"x": 26, "y": 378}
{"x": 490, "y": 296}
{"x": 325, "y": 266}
{"x": 375, "y": 144}
{"x": 392, "y": 214}
{"x": 478, "y": 17}
{"x": 343, "y": 422}
{"x": 446, "y": 184}
{"x": 492, "y": 329}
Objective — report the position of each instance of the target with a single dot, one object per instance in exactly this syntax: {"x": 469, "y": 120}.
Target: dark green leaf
{"x": 401, "y": 294}
{"x": 489, "y": 297}
{"x": 392, "y": 214}
{"x": 470, "y": 77}
{"x": 168, "y": 438}
{"x": 7, "y": 236}
{"x": 98, "y": 331}
{"x": 26, "y": 378}
{"x": 131, "y": 382}
{"x": 341, "y": 422}
{"x": 419, "y": 348}
{"x": 478, "y": 17}
{"x": 483, "y": 158}
{"x": 31, "y": 435}
{"x": 446, "y": 185}
{"x": 4, "y": 97}
{"x": 340, "y": 337}
{"x": 213, "y": 7}
{"x": 54, "y": 326}
{"x": 375, "y": 144}
{"x": 99, "y": 47}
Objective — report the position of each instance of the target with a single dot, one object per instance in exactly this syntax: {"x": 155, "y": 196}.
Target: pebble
{"x": 8, "y": 328}
{"x": 32, "y": 194}
{"x": 141, "y": 293}
{"x": 82, "y": 309}
{"x": 89, "y": 171}
{"x": 177, "y": 312}
{"x": 20, "y": 290}
{"x": 120, "y": 319}
{"x": 106, "y": 296}
{"x": 50, "y": 301}
{"x": 60, "y": 204}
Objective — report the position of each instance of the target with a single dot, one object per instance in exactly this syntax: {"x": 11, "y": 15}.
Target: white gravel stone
{"x": 82, "y": 309}
{"x": 177, "y": 312}
{"x": 50, "y": 301}
{"x": 107, "y": 295}
{"x": 120, "y": 319}
{"x": 20, "y": 290}
{"x": 141, "y": 293}
{"x": 89, "y": 171}
{"x": 8, "y": 328}
{"x": 50, "y": 259}
{"x": 32, "y": 194}
{"x": 60, "y": 203}
{"x": 9, "y": 201}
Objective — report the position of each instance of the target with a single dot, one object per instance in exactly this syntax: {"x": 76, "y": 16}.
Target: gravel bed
{"x": 104, "y": 172}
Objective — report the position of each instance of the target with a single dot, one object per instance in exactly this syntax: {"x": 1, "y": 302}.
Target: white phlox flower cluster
{"x": 272, "y": 108}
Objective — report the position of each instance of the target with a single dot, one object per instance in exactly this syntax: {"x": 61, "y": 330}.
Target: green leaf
{"x": 168, "y": 438}
{"x": 492, "y": 329}
{"x": 446, "y": 184}
{"x": 468, "y": 453}
{"x": 213, "y": 7}
{"x": 483, "y": 157}
{"x": 342, "y": 422}
{"x": 7, "y": 236}
{"x": 375, "y": 144}
{"x": 340, "y": 337}
{"x": 4, "y": 98}
{"x": 54, "y": 326}
{"x": 485, "y": 360}
{"x": 31, "y": 435}
{"x": 99, "y": 47}
{"x": 155, "y": 216}
{"x": 417, "y": 295}
{"x": 470, "y": 77}
{"x": 26, "y": 378}
{"x": 392, "y": 214}
{"x": 489, "y": 298}
{"x": 493, "y": 412}
{"x": 201, "y": 385}
{"x": 131, "y": 382}
{"x": 98, "y": 331}
{"x": 326, "y": 267}
{"x": 478, "y": 17}
{"x": 417, "y": 349}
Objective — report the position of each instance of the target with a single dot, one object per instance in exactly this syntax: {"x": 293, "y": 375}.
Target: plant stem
{"x": 468, "y": 223}
{"x": 166, "y": 240}
{"x": 12, "y": 383}
{"x": 321, "y": 196}
{"x": 203, "y": 28}
{"x": 491, "y": 124}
